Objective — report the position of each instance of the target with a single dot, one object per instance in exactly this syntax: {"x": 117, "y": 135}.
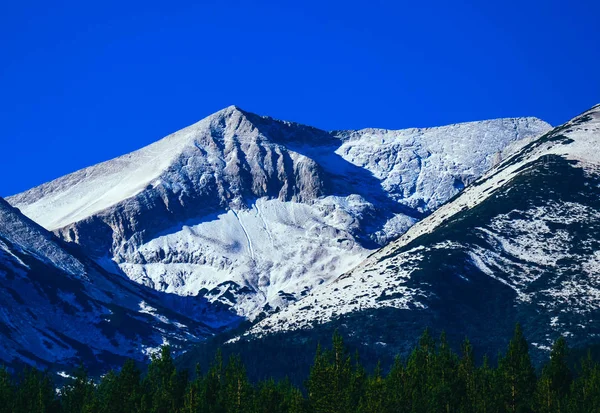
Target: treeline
{"x": 432, "y": 379}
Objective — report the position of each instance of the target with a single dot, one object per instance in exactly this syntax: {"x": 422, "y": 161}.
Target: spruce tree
{"x": 342, "y": 375}
{"x": 558, "y": 369}
{"x": 129, "y": 386}
{"x": 121, "y": 392}
{"x": 331, "y": 380}
{"x": 295, "y": 402}
{"x": 107, "y": 394}
{"x": 358, "y": 381}
{"x": 270, "y": 397}
{"x": 434, "y": 379}
{"x": 419, "y": 369}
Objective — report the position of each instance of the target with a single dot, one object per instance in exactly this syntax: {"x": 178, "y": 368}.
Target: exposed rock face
{"x": 254, "y": 213}
{"x": 519, "y": 244}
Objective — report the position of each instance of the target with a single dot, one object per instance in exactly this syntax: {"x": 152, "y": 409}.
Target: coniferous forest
{"x": 433, "y": 378}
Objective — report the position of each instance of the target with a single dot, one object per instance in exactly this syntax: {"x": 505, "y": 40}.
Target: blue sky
{"x": 82, "y": 82}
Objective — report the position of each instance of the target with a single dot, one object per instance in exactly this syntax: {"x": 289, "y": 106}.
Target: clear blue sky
{"x": 82, "y": 81}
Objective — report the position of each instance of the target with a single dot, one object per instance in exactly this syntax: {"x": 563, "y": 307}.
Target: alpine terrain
{"x": 521, "y": 243}
{"x": 59, "y": 307}
{"x": 252, "y": 214}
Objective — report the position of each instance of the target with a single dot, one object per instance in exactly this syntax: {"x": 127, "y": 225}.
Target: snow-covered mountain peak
{"x": 254, "y": 212}
{"x": 84, "y": 193}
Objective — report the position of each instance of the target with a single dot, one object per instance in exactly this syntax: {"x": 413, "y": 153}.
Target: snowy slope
{"x": 60, "y": 309}
{"x": 519, "y": 244}
{"x": 254, "y": 213}
{"x": 36, "y": 241}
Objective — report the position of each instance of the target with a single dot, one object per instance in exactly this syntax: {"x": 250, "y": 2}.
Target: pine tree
{"x": 192, "y": 402}
{"x": 7, "y": 390}
{"x": 295, "y": 402}
{"x": 487, "y": 395}
{"x": 129, "y": 383}
{"x": 466, "y": 377}
{"x": 35, "y": 393}
{"x": 374, "y": 394}
{"x": 80, "y": 395}
{"x": 585, "y": 391}
{"x": 107, "y": 394}
{"x": 121, "y": 392}
{"x": 434, "y": 379}
{"x": 342, "y": 375}
{"x": 318, "y": 384}
{"x": 443, "y": 380}
{"x": 164, "y": 386}
{"x": 558, "y": 370}
{"x": 419, "y": 369}
{"x": 270, "y": 397}
{"x": 211, "y": 389}
{"x": 331, "y": 379}
{"x": 516, "y": 374}
{"x": 238, "y": 392}
{"x": 397, "y": 399}
{"x": 555, "y": 380}
{"x": 358, "y": 382}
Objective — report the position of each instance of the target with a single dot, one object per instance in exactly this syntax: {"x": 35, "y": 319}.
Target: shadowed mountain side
{"x": 60, "y": 309}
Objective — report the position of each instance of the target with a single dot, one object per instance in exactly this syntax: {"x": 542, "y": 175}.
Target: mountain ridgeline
{"x": 261, "y": 235}
{"x": 254, "y": 213}
{"x": 520, "y": 244}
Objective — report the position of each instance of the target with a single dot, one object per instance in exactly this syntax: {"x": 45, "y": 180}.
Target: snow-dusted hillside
{"x": 253, "y": 212}
{"x": 522, "y": 243}
{"x": 59, "y": 309}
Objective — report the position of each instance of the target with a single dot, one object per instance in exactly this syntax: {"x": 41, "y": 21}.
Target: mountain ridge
{"x": 181, "y": 140}
{"x": 518, "y": 244}
{"x": 252, "y": 212}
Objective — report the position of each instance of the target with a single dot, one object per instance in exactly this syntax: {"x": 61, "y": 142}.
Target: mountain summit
{"x": 253, "y": 213}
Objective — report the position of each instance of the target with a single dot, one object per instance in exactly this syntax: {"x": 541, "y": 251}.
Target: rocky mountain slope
{"x": 522, "y": 243}
{"x": 254, "y": 213}
{"x": 60, "y": 309}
